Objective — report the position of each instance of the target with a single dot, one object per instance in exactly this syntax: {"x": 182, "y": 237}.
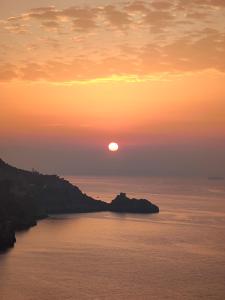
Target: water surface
{"x": 176, "y": 254}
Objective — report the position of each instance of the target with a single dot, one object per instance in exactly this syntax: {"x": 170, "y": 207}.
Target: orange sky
{"x": 75, "y": 75}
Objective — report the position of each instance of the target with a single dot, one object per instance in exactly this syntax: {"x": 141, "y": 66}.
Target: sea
{"x": 178, "y": 254}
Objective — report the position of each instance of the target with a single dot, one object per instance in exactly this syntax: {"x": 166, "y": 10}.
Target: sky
{"x": 149, "y": 75}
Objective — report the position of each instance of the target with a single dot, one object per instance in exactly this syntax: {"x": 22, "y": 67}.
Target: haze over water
{"x": 176, "y": 254}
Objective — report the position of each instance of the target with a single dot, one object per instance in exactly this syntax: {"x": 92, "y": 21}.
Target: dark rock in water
{"x": 7, "y": 234}
{"x": 124, "y": 204}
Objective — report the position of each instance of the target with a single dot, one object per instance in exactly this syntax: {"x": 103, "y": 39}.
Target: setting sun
{"x": 113, "y": 147}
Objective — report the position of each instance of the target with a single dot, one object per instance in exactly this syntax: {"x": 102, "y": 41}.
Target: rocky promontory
{"x": 131, "y": 205}
{"x": 26, "y": 196}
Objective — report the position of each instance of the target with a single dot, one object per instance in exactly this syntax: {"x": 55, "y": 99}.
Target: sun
{"x": 113, "y": 146}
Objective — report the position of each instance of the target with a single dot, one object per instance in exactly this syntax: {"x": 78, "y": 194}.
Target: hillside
{"x": 26, "y": 196}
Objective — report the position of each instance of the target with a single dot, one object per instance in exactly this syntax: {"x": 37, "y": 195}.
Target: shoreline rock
{"x": 7, "y": 235}
{"x": 131, "y": 205}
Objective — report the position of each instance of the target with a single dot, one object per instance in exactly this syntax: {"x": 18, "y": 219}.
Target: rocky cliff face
{"x": 7, "y": 234}
{"x": 17, "y": 212}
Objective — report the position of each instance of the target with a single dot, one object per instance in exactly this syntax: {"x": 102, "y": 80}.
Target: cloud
{"x": 83, "y": 24}
{"x": 8, "y": 72}
{"x": 156, "y": 14}
{"x": 82, "y": 18}
{"x": 185, "y": 55}
{"x": 137, "y": 38}
{"x": 79, "y": 69}
{"x": 137, "y": 6}
{"x": 219, "y": 3}
{"x": 117, "y": 18}
{"x": 15, "y": 27}
{"x": 45, "y": 13}
{"x": 51, "y": 25}
{"x": 158, "y": 18}
{"x": 162, "y": 5}
{"x": 32, "y": 72}
{"x": 208, "y": 52}
{"x": 43, "y": 9}
{"x": 200, "y": 3}
{"x": 80, "y": 13}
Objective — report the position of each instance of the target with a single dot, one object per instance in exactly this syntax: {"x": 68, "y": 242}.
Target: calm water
{"x": 177, "y": 254}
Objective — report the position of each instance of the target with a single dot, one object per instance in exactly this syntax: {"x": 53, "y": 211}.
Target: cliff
{"x": 27, "y": 196}
{"x": 48, "y": 193}
{"x": 7, "y": 234}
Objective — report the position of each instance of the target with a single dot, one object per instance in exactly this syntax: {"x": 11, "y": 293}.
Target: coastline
{"x": 28, "y": 196}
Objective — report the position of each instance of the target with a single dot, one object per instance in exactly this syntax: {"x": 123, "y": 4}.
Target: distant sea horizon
{"x": 147, "y": 186}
